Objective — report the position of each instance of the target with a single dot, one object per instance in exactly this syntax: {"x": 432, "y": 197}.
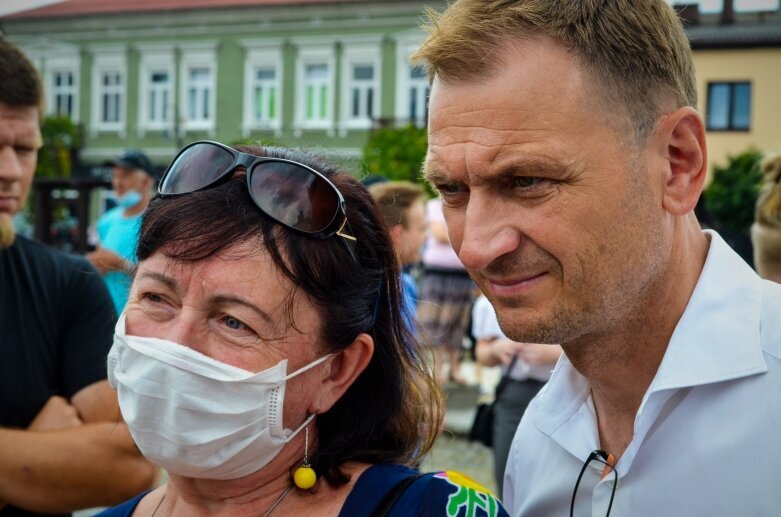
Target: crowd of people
{"x": 248, "y": 322}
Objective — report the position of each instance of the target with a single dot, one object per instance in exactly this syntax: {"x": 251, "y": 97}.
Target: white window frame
{"x": 364, "y": 51}
{"x": 262, "y": 54}
{"x": 315, "y": 52}
{"x": 109, "y": 61}
{"x": 197, "y": 57}
{"x": 405, "y": 47}
{"x": 153, "y": 60}
{"x": 54, "y": 65}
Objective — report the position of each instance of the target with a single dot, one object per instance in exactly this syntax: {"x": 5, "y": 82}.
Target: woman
{"x": 262, "y": 359}
{"x": 766, "y": 230}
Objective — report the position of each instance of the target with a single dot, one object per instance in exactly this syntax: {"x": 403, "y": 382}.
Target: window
{"x": 316, "y": 92}
{"x": 262, "y": 85}
{"x": 108, "y": 91}
{"x": 198, "y": 94}
{"x": 412, "y": 85}
{"x": 158, "y": 96}
{"x": 729, "y": 106}
{"x": 198, "y": 89}
{"x": 360, "y": 82}
{"x": 419, "y": 90}
{"x": 315, "y": 84}
{"x": 63, "y": 93}
{"x": 110, "y": 97}
{"x": 156, "y": 93}
{"x": 362, "y": 90}
{"x": 264, "y": 95}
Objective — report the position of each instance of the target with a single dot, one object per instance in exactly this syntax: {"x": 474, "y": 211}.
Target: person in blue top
{"x": 132, "y": 180}
{"x": 402, "y": 208}
{"x": 255, "y": 361}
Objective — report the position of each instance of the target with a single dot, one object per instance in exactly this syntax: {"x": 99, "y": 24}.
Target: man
{"x": 401, "y": 204}
{"x": 63, "y": 445}
{"x": 565, "y": 145}
{"x": 132, "y": 179}
{"x": 526, "y": 367}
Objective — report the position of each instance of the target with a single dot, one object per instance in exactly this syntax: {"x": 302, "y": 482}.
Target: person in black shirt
{"x": 63, "y": 445}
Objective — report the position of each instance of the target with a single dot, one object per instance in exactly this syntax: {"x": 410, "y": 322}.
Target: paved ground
{"x": 452, "y": 451}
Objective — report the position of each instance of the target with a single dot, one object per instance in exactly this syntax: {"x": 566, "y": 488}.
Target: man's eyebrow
{"x": 224, "y": 299}
{"x": 163, "y": 279}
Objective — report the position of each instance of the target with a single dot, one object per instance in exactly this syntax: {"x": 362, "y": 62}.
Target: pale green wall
{"x": 228, "y": 27}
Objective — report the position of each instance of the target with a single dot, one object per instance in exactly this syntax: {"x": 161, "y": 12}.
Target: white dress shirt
{"x": 707, "y": 435}
{"x": 485, "y": 325}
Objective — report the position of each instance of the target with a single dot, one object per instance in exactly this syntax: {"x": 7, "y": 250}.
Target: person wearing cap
{"x": 132, "y": 180}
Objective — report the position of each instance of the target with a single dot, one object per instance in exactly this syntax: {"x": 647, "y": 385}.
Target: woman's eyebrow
{"x": 160, "y": 277}
{"x": 223, "y": 299}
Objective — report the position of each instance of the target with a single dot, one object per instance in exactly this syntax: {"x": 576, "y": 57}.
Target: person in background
{"x": 255, "y": 360}
{"x": 766, "y": 230}
{"x": 569, "y": 155}
{"x": 63, "y": 445}
{"x": 446, "y": 295}
{"x": 401, "y": 205}
{"x": 527, "y": 367}
{"x": 115, "y": 255}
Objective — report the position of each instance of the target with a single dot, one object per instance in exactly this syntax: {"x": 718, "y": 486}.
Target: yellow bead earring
{"x": 304, "y": 477}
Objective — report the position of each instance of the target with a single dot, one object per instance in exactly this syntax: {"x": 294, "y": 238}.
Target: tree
{"x": 61, "y": 142}
{"x": 396, "y": 153}
{"x": 732, "y": 194}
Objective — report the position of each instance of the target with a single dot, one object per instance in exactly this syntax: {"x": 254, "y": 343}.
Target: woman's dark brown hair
{"x": 391, "y": 414}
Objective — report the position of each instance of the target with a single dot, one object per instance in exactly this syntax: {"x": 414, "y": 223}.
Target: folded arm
{"x": 74, "y": 455}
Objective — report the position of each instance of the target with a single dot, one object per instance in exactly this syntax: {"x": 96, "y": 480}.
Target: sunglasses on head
{"x": 291, "y": 193}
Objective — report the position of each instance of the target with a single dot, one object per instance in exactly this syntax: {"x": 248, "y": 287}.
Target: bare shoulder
{"x": 150, "y": 502}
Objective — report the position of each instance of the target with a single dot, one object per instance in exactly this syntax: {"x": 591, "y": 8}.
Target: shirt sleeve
{"x": 87, "y": 327}
{"x": 484, "y": 322}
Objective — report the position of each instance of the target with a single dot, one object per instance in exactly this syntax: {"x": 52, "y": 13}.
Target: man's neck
{"x": 621, "y": 364}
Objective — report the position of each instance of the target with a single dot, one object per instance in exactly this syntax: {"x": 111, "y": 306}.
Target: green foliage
{"x": 731, "y": 196}
{"x": 61, "y": 139}
{"x": 396, "y": 153}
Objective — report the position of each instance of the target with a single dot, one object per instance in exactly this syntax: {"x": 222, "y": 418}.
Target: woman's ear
{"x": 682, "y": 135}
{"x": 345, "y": 367}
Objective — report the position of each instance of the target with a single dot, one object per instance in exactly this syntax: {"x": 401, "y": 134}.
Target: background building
{"x": 156, "y": 74}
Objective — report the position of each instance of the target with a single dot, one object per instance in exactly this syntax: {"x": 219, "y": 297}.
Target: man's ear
{"x": 682, "y": 135}
{"x": 395, "y": 232}
{"x": 345, "y": 367}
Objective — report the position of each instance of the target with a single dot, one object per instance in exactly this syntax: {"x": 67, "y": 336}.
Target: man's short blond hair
{"x": 395, "y": 198}
{"x": 635, "y": 51}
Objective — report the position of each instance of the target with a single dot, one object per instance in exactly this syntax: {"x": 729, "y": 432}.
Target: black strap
{"x": 506, "y": 377}
{"x": 390, "y": 499}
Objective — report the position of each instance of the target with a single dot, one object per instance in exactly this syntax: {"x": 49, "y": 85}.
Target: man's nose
{"x": 10, "y": 169}
{"x": 488, "y": 233}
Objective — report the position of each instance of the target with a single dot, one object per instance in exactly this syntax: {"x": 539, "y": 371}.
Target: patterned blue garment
{"x": 440, "y": 494}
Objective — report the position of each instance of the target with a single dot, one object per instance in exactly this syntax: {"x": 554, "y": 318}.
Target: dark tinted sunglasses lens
{"x": 195, "y": 168}
{"x": 294, "y": 195}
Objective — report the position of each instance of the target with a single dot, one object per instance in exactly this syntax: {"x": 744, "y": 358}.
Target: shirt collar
{"x": 716, "y": 339}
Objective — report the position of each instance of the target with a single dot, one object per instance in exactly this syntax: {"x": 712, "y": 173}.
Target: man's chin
{"x": 7, "y": 231}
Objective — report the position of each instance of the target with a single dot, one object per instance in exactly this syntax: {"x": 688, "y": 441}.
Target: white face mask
{"x": 195, "y": 416}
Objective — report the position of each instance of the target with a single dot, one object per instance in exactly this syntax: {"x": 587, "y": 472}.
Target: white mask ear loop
{"x": 308, "y": 367}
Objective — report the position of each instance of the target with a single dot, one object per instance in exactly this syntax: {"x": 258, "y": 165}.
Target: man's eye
{"x": 526, "y": 182}
{"x": 449, "y": 188}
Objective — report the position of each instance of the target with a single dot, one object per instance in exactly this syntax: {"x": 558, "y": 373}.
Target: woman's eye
{"x": 233, "y": 323}
{"x": 152, "y": 297}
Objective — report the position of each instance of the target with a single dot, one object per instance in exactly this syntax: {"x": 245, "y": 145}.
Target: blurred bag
{"x": 483, "y": 425}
